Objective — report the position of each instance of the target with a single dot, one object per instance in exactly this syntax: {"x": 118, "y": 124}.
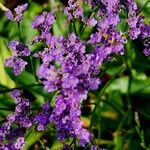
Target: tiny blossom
{"x": 42, "y": 118}
{"x": 93, "y": 147}
{"x": 14, "y": 128}
{"x": 43, "y": 22}
{"x": 73, "y": 10}
{"x": 16, "y": 63}
{"x": 19, "y": 11}
{"x": 132, "y": 21}
{"x": 19, "y": 143}
{"x": 19, "y": 49}
{"x": 16, "y": 93}
{"x": 134, "y": 33}
{"x": 147, "y": 48}
{"x": 9, "y": 15}
{"x": 147, "y": 52}
{"x": 66, "y": 147}
{"x": 92, "y": 22}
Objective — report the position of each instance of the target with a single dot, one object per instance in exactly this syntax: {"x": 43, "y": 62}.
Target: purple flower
{"x": 19, "y": 49}
{"x": 66, "y": 147}
{"x": 132, "y": 21}
{"x": 147, "y": 51}
{"x": 16, "y": 93}
{"x": 134, "y": 33}
{"x": 42, "y": 119}
{"x": 93, "y": 147}
{"x": 113, "y": 19}
{"x": 43, "y": 22}
{"x": 145, "y": 30}
{"x": 92, "y": 22}
{"x": 16, "y": 63}
{"x": 73, "y": 10}
{"x": 84, "y": 137}
{"x": 14, "y": 127}
{"x": 19, "y": 11}
{"x": 20, "y": 143}
{"x": 9, "y": 15}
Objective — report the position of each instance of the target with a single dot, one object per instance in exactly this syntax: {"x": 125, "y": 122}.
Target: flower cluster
{"x": 138, "y": 29}
{"x": 147, "y": 48}
{"x": 18, "y": 13}
{"x": 14, "y": 128}
{"x": 42, "y": 119}
{"x": 68, "y": 69}
{"x": 16, "y": 62}
{"x": 44, "y": 24}
{"x": 73, "y": 10}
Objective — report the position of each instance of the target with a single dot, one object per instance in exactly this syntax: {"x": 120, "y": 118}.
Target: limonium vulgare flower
{"x": 17, "y": 14}
{"x": 16, "y": 62}
{"x": 68, "y": 68}
{"x": 14, "y": 128}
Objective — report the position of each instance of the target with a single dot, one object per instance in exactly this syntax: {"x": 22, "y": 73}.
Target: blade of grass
{"x": 102, "y": 92}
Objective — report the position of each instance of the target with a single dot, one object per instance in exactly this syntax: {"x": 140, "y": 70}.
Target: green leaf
{"x": 138, "y": 86}
{"x": 4, "y": 78}
{"x": 32, "y": 137}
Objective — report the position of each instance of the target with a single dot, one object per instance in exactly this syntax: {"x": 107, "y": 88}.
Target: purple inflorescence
{"x": 138, "y": 29}
{"x": 73, "y": 10}
{"x": 15, "y": 62}
{"x": 19, "y": 11}
{"x": 43, "y": 23}
{"x": 67, "y": 68}
{"x": 94, "y": 147}
{"x": 66, "y": 147}
{"x": 13, "y": 129}
{"x": 73, "y": 79}
{"x": 42, "y": 119}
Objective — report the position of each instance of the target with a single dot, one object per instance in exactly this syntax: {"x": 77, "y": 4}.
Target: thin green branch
{"x": 74, "y": 141}
{"x": 141, "y": 133}
{"x": 102, "y": 92}
{"x": 129, "y": 106}
{"x": 33, "y": 69}
{"x": 74, "y": 26}
{"x": 19, "y": 28}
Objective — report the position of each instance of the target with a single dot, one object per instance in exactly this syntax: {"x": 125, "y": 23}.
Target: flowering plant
{"x": 70, "y": 72}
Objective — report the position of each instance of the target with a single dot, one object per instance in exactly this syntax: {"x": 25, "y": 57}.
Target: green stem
{"x": 123, "y": 121}
{"x": 141, "y": 133}
{"x": 102, "y": 92}
{"x": 21, "y": 87}
{"x": 74, "y": 141}
{"x": 33, "y": 69}
{"x": 74, "y": 26}
{"x": 19, "y": 28}
{"x": 129, "y": 107}
{"x": 104, "y": 142}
